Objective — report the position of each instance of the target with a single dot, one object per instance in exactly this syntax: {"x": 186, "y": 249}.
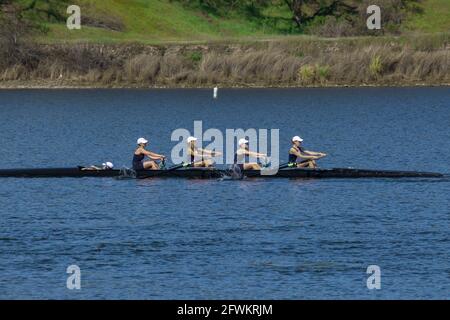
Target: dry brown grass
{"x": 273, "y": 63}
{"x": 143, "y": 68}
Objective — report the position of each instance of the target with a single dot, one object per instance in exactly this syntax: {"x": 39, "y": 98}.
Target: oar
{"x": 162, "y": 172}
{"x": 175, "y": 167}
{"x": 163, "y": 164}
{"x": 281, "y": 166}
{"x": 172, "y": 168}
{"x": 267, "y": 161}
{"x": 284, "y": 165}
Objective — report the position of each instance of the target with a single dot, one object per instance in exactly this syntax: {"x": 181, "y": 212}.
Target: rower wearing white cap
{"x": 105, "y": 166}
{"x": 194, "y": 152}
{"x": 302, "y": 158}
{"x": 242, "y": 154}
{"x": 139, "y": 155}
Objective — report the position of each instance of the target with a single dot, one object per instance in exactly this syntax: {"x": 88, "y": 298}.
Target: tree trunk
{"x": 296, "y": 8}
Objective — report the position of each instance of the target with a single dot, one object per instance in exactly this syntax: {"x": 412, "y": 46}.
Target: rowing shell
{"x": 211, "y": 173}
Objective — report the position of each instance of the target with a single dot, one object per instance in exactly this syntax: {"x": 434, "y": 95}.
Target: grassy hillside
{"x": 154, "y": 21}
{"x": 435, "y": 18}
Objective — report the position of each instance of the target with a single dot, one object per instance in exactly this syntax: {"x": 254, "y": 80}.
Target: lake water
{"x": 251, "y": 239}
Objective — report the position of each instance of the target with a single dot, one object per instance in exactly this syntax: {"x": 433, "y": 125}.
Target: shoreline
{"x": 57, "y": 85}
{"x": 307, "y": 64}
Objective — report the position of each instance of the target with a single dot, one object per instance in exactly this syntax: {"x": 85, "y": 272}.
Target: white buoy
{"x": 216, "y": 90}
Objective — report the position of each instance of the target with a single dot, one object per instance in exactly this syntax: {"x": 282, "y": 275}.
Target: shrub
{"x": 323, "y": 72}
{"x": 306, "y": 74}
{"x": 376, "y": 66}
{"x": 196, "y": 56}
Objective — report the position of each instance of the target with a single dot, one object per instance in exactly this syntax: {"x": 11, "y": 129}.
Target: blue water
{"x": 254, "y": 239}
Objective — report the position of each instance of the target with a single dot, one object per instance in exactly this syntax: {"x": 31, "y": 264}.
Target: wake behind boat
{"x": 211, "y": 173}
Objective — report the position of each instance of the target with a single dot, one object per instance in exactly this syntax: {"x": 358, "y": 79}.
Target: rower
{"x": 243, "y": 153}
{"x": 104, "y": 166}
{"x": 139, "y": 155}
{"x": 206, "y": 155}
{"x": 307, "y": 158}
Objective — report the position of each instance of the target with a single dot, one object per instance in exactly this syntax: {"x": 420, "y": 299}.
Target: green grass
{"x": 154, "y": 21}
{"x": 435, "y": 18}
{"x": 160, "y": 21}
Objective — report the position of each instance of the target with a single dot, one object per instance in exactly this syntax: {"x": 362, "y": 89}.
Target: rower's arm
{"x": 314, "y": 153}
{"x": 255, "y": 154}
{"x": 209, "y": 152}
{"x": 199, "y": 153}
{"x": 302, "y": 155}
{"x": 152, "y": 155}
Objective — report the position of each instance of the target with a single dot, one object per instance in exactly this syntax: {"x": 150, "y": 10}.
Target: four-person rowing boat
{"x": 302, "y": 164}
{"x": 211, "y": 173}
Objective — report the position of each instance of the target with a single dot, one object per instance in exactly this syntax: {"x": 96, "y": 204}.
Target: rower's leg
{"x": 201, "y": 164}
{"x": 208, "y": 163}
{"x": 151, "y": 165}
{"x": 252, "y": 166}
{"x": 303, "y": 165}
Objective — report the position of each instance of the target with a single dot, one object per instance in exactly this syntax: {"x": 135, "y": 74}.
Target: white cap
{"x": 108, "y": 165}
{"x": 190, "y": 139}
{"x": 297, "y": 138}
{"x": 142, "y": 141}
{"x": 243, "y": 141}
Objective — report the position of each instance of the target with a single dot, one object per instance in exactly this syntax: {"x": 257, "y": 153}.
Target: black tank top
{"x": 192, "y": 155}
{"x": 293, "y": 157}
{"x": 240, "y": 158}
{"x": 138, "y": 158}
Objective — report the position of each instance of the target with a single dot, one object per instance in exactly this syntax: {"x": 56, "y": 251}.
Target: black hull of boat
{"x": 58, "y": 173}
{"x": 206, "y": 173}
{"x": 345, "y": 173}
